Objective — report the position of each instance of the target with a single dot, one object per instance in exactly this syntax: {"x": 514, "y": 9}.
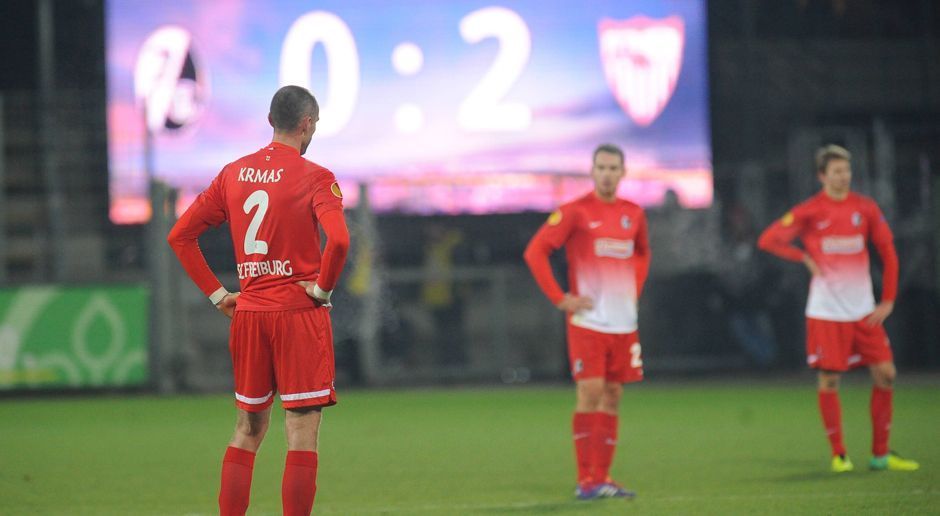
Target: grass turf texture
{"x": 689, "y": 448}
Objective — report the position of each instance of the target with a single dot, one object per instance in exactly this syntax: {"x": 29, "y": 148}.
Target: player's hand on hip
{"x": 227, "y": 304}
{"x": 575, "y": 304}
{"x": 811, "y": 265}
{"x": 311, "y": 291}
{"x": 882, "y": 311}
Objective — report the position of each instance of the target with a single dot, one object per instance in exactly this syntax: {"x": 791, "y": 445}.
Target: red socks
{"x": 832, "y": 420}
{"x": 300, "y": 483}
{"x": 880, "y": 420}
{"x": 595, "y": 439}
{"x": 605, "y": 442}
{"x": 236, "y": 481}
{"x": 582, "y": 426}
{"x": 297, "y": 488}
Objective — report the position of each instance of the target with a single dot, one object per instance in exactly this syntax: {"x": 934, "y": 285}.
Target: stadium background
{"x": 784, "y": 77}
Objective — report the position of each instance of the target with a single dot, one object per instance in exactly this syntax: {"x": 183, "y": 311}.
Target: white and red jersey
{"x": 835, "y": 234}
{"x": 274, "y": 201}
{"x": 607, "y": 247}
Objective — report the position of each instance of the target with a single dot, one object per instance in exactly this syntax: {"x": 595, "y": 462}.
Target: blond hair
{"x": 828, "y": 153}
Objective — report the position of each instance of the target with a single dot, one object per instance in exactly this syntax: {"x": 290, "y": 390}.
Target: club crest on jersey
{"x": 642, "y": 58}
{"x": 856, "y": 219}
{"x": 578, "y": 366}
{"x": 625, "y": 222}
{"x": 336, "y": 191}
{"x": 555, "y": 218}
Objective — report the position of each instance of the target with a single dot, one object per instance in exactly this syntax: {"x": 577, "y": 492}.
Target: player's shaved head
{"x": 289, "y": 105}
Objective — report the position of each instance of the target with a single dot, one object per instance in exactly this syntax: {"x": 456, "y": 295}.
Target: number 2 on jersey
{"x": 257, "y": 198}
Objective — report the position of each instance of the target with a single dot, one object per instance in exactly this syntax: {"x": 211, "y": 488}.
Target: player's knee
{"x": 828, "y": 381}
{"x": 612, "y": 394}
{"x": 590, "y": 396}
{"x": 885, "y": 375}
{"x": 252, "y": 428}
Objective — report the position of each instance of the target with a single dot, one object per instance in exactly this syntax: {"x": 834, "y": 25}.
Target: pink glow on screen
{"x": 444, "y": 134}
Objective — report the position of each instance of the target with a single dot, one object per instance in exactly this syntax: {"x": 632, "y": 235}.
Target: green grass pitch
{"x": 687, "y": 448}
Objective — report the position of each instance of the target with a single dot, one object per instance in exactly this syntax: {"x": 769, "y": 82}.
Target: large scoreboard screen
{"x": 440, "y": 107}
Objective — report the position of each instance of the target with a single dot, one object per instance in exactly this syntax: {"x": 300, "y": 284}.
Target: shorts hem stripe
{"x": 253, "y": 401}
{"x": 305, "y": 395}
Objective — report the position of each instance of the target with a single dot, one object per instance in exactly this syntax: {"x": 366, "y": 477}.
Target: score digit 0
{"x": 483, "y": 110}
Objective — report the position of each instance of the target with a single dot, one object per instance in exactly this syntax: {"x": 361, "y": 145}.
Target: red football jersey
{"x": 272, "y": 200}
{"x": 607, "y": 248}
{"x": 836, "y": 234}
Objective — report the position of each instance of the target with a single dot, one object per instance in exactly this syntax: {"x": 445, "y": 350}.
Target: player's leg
{"x": 587, "y": 370}
{"x": 239, "y": 460}
{"x": 828, "y": 345}
{"x": 299, "y": 485}
{"x": 883, "y": 375}
{"x": 253, "y": 394}
{"x": 250, "y": 429}
{"x": 875, "y": 349}
{"x": 624, "y": 365}
{"x": 305, "y": 371}
{"x": 590, "y": 392}
{"x": 831, "y": 411}
{"x": 605, "y": 423}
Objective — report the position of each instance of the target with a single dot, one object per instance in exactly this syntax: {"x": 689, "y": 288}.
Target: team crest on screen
{"x": 856, "y": 219}
{"x": 169, "y": 81}
{"x": 642, "y": 58}
{"x": 625, "y": 222}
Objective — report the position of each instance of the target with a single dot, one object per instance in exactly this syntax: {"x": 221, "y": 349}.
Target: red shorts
{"x": 840, "y": 346}
{"x": 289, "y": 352}
{"x": 612, "y": 356}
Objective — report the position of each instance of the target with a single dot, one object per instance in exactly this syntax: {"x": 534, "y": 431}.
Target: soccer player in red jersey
{"x": 280, "y": 340}
{"x": 606, "y": 244}
{"x": 843, "y": 324}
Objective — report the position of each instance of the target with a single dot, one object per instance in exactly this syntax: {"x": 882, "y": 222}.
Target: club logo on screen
{"x": 168, "y": 84}
{"x": 642, "y": 58}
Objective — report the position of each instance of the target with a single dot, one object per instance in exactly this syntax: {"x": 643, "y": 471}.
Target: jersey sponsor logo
{"x": 336, "y": 191}
{"x": 856, "y": 219}
{"x": 787, "y": 219}
{"x": 555, "y": 218}
{"x": 257, "y": 175}
{"x": 613, "y": 248}
{"x": 843, "y": 244}
{"x": 266, "y": 268}
{"x": 594, "y": 224}
{"x": 625, "y": 222}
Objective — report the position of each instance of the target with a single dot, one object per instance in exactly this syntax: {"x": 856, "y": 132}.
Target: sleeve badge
{"x": 555, "y": 218}
{"x": 787, "y": 219}
{"x": 336, "y": 191}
